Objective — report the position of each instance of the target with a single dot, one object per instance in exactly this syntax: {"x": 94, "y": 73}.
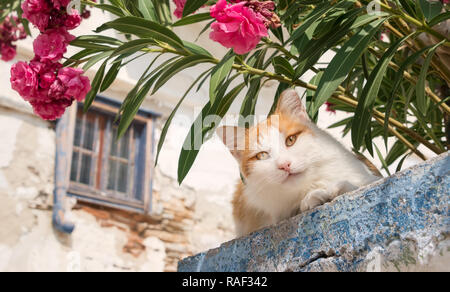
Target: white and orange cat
{"x": 288, "y": 166}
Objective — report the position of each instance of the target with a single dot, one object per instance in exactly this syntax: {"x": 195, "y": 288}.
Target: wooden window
{"x": 108, "y": 171}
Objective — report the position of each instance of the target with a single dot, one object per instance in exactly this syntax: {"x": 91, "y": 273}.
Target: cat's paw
{"x": 342, "y": 188}
{"x": 315, "y": 198}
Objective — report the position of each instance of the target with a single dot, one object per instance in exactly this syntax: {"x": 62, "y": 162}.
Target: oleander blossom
{"x": 72, "y": 20}
{"x": 237, "y": 26}
{"x": 76, "y": 85}
{"x": 330, "y": 107}
{"x": 52, "y": 44}
{"x": 179, "y": 8}
{"x": 48, "y": 87}
{"x": 24, "y": 80}
{"x": 51, "y": 110}
{"x": 60, "y": 3}
{"x": 43, "y": 82}
{"x": 11, "y": 30}
{"x": 37, "y": 12}
{"x": 7, "y": 51}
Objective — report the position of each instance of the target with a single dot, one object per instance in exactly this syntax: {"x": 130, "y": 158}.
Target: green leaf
{"x": 148, "y": 10}
{"x": 418, "y": 9}
{"x": 192, "y": 5}
{"x": 367, "y": 18}
{"x": 110, "y": 76}
{"x": 281, "y": 87}
{"x": 397, "y": 81}
{"x": 408, "y": 6}
{"x": 143, "y": 28}
{"x": 111, "y": 8}
{"x": 310, "y": 97}
{"x": 170, "y": 118}
{"x": 144, "y": 77}
{"x": 309, "y": 20}
{"x": 424, "y": 124}
{"x": 132, "y": 108}
{"x": 440, "y": 18}
{"x": 249, "y": 103}
{"x": 178, "y": 66}
{"x": 195, "y": 49}
{"x": 193, "y": 19}
{"x": 400, "y": 164}
{"x": 78, "y": 56}
{"x": 383, "y": 162}
{"x": 282, "y": 66}
{"x": 342, "y": 63}
{"x": 396, "y": 151}
{"x": 314, "y": 49}
{"x": 219, "y": 73}
{"x": 430, "y": 9}
{"x": 340, "y": 123}
{"x": 132, "y": 46}
{"x": 95, "y": 42}
{"x": 278, "y": 33}
{"x": 363, "y": 113}
{"x": 95, "y": 59}
{"x": 195, "y": 137}
{"x": 94, "y": 87}
{"x": 420, "y": 86}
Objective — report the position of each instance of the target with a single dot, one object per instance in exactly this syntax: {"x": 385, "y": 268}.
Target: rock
{"x": 400, "y": 223}
{"x": 166, "y": 236}
{"x": 141, "y": 227}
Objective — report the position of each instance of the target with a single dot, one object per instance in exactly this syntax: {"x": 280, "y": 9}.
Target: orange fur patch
{"x": 286, "y": 125}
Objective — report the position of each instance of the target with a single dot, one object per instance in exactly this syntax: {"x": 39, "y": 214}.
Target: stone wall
{"x": 400, "y": 223}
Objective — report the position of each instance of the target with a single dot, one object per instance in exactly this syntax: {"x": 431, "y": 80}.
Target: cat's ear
{"x": 234, "y": 139}
{"x": 290, "y": 103}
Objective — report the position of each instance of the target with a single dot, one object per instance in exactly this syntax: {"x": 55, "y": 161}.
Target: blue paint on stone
{"x": 341, "y": 234}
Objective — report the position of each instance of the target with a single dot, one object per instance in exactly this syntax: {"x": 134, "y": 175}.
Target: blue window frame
{"x": 104, "y": 170}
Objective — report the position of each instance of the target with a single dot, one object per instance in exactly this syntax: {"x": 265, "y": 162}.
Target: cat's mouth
{"x": 293, "y": 175}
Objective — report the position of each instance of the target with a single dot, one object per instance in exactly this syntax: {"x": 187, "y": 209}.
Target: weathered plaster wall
{"x": 400, "y": 223}
{"x": 184, "y": 220}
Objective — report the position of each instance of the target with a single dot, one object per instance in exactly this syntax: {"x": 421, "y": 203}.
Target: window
{"x": 108, "y": 171}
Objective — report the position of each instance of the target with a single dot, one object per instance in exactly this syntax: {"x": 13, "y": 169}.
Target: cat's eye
{"x": 262, "y": 156}
{"x": 291, "y": 140}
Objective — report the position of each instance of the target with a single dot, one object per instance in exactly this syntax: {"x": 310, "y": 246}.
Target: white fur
{"x": 324, "y": 169}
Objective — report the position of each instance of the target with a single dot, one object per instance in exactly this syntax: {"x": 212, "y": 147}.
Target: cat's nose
{"x": 286, "y": 166}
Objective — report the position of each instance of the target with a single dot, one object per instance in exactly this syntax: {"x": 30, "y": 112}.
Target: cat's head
{"x": 279, "y": 149}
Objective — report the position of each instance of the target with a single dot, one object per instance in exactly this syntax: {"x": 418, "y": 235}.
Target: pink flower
{"x": 37, "y": 12}
{"x": 24, "y": 80}
{"x": 51, "y": 110}
{"x": 180, "y": 7}
{"x": 34, "y": 6}
{"x": 52, "y": 45}
{"x": 330, "y": 107}
{"x": 8, "y": 52}
{"x": 73, "y": 20}
{"x": 57, "y": 90}
{"x": 237, "y": 26}
{"x": 60, "y": 3}
{"x": 77, "y": 86}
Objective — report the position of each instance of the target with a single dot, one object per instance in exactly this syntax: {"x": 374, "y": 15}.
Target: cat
{"x": 288, "y": 165}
